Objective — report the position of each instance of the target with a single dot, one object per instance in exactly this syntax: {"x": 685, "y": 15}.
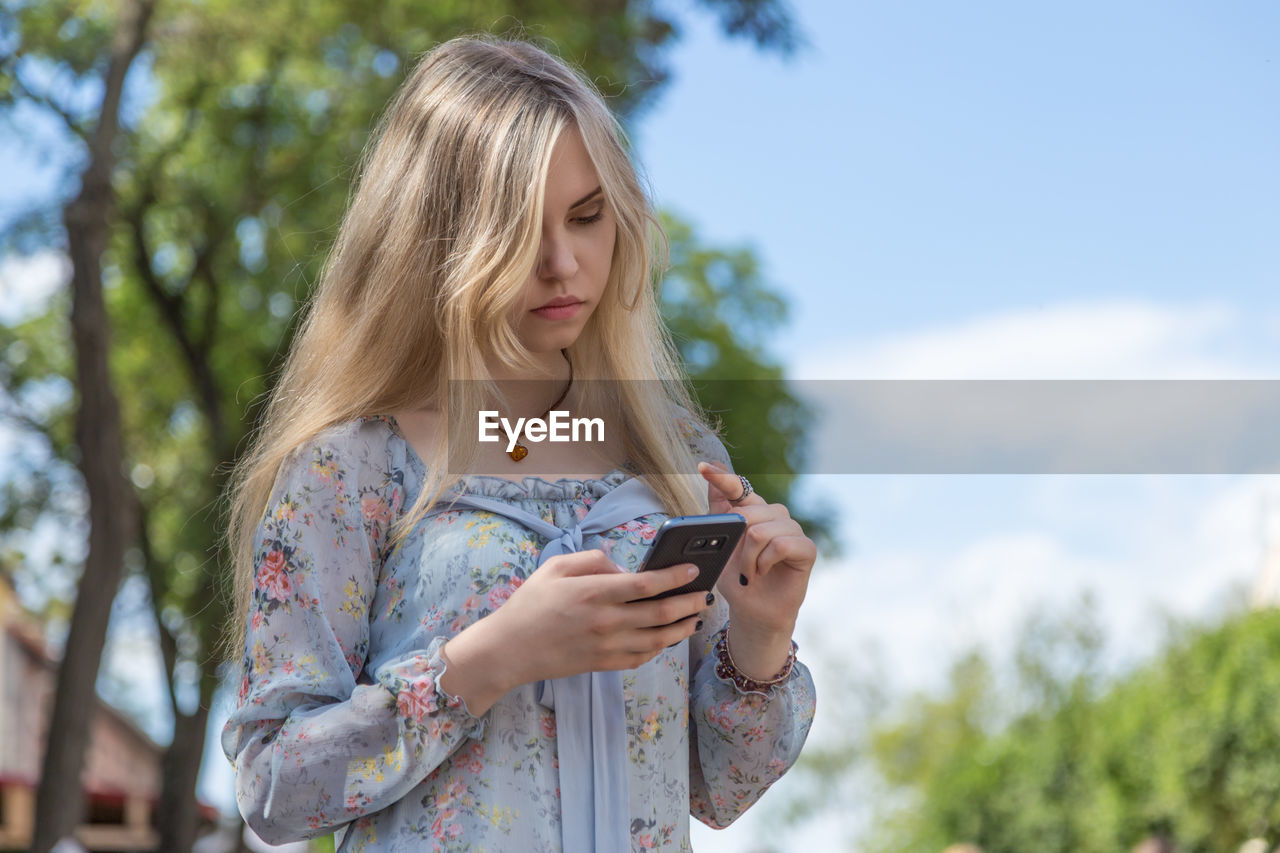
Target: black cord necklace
{"x": 520, "y": 451}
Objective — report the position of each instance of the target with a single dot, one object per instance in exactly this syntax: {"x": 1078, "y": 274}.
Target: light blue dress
{"x": 341, "y": 724}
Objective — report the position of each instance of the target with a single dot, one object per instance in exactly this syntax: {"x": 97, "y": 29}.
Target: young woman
{"x": 409, "y": 680}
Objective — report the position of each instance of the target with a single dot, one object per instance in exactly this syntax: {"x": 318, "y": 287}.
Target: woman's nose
{"x": 558, "y": 260}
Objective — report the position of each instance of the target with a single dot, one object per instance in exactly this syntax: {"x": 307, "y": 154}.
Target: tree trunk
{"x": 178, "y": 814}
{"x": 60, "y": 799}
{"x": 179, "y": 808}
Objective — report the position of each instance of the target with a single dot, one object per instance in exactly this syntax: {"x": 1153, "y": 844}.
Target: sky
{"x": 992, "y": 190}
{"x": 924, "y": 162}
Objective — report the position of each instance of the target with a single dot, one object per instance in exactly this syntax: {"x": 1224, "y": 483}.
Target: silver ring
{"x": 746, "y": 490}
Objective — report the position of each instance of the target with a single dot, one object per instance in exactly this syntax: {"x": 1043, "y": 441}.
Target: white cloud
{"x": 1185, "y": 547}
{"x": 1109, "y": 339}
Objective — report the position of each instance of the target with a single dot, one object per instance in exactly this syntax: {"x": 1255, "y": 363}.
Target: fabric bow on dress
{"x": 591, "y": 726}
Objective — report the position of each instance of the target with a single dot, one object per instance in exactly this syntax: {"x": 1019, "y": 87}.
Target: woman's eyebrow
{"x": 586, "y": 198}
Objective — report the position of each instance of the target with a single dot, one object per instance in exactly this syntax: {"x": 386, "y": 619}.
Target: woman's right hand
{"x": 580, "y": 613}
{"x": 577, "y": 613}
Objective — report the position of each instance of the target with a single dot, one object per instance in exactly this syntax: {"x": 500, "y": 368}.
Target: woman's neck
{"x": 529, "y": 393}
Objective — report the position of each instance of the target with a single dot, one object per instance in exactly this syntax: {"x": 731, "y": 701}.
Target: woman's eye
{"x": 587, "y": 220}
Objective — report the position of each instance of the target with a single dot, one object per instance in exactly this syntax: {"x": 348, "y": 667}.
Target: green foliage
{"x": 1065, "y": 760}
{"x": 39, "y": 494}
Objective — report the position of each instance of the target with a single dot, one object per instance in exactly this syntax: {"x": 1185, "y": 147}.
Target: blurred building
{"x": 121, "y": 778}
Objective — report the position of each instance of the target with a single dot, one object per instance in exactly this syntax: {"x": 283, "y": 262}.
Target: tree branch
{"x": 48, "y": 103}
{"x": 172, "y": 310}
{"x": 202, "y": 270}
{"x": 170, "y": 306}
{"x": 155, "y": 580}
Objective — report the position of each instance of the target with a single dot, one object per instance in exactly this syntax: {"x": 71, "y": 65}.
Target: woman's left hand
{"x": 768, "y": 574}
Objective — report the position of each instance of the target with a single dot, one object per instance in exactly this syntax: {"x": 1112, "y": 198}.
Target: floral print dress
{"x": 341, "y": 724}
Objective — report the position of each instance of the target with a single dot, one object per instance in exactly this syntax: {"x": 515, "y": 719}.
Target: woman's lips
{"x": 558, "y": 312}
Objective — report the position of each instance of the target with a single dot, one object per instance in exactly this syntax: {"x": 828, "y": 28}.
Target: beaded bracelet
{"x": 728, "y": 670}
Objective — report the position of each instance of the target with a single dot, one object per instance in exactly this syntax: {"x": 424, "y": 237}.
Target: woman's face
{"x": 578, "y": 232}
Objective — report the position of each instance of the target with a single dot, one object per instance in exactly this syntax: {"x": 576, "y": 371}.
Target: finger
{"x": 640, "y": 585}
{"x": 793, "y": 552}
{"x": 761, "y": 512}
{"x": 667, "y": 611}
{"x": 581, "y": 563}
{"x": 665, "y": 636}
{"x": 724, "y": 485}
{"x": 637, "y": 646}
{"x": 757, "y": 538}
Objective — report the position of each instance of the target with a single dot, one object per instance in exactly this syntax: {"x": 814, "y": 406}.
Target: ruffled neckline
{"x": 538, "y": 488}
{"x": 530, "y": 488}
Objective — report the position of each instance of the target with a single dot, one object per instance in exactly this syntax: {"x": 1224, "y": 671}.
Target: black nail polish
{"x": 698, "y": 627}
{"x": 711, "y": 598}
{"x": 742, "y": 580}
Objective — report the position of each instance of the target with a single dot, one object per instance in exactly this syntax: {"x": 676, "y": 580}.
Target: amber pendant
{"x": 518, "y": 452}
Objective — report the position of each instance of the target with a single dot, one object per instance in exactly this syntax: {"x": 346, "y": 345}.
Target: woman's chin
{"x": 554, "y": 340}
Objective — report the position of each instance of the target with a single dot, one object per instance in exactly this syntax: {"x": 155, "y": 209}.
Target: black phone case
{"x": 671, "y": 546}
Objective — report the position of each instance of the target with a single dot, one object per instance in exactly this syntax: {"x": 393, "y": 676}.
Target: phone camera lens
{"x": 698, "y": 543}
{"x": 713, "y": 542}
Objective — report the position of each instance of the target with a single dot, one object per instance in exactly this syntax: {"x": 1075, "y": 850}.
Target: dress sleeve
{"x": 316, "y": 740}
{"x": 740, "y": 742}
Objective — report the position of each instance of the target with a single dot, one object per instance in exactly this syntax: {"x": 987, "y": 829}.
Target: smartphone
{"x": 707, "y": 541}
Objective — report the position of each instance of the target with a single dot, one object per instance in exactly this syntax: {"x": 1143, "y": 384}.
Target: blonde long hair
{"x": 445, "y": 221}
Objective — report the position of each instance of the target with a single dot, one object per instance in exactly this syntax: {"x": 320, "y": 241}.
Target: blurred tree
{"x": 232, "y": 164}
{"x": 1179, "y": 748}
{"x": 722, "y": 313}
{"x": 87, "y": 221}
